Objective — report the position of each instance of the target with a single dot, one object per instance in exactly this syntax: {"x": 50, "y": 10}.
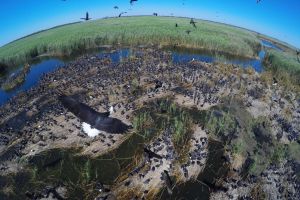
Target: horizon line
{"x": 107, "y": 17}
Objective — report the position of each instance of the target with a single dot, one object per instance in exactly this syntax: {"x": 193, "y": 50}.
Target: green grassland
{"x": 127, "y": 31}
{"x": 284, "y": 66}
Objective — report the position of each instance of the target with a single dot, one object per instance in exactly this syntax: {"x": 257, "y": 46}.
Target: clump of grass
{"x": 87, "y": 170}
{"x": 147, "y": 30}
{"x": 294, "y": 151}
{"x": 142, "y": 122}
{"x": 17, "y": 80}
{"x": 221, "y": 125}
{"x": 285, "y": 67}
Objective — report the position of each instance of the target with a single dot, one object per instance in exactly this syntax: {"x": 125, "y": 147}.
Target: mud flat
{"x": 218, "y": 127}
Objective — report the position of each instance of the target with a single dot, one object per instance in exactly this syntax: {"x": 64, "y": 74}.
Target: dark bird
{"x": 155, "y": 14}
{"x": 298, "y": 53}
{"x": 151, "y": 154}
{"x": 86, "y": 17}
{"x": 193, "y": 23}
{"x": 257, "y": 1}
{"x": 168, "y": 181}
{"x": 275, "y": 82}
{"x": 120, "y": 15}
{"x": 131, "y": 1}
{"x": 158, "y": 84}
{"x": 188, "y": 31}
{"x": 100, "y": 121}
{"x": 176, "y": 25}
{"x": 116, "y": 7}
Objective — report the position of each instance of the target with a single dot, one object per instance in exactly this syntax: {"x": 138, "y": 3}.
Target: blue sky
{"x": 276, "y": 18}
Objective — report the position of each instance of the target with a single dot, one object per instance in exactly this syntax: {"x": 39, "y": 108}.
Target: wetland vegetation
{"x": 211, "y": 125}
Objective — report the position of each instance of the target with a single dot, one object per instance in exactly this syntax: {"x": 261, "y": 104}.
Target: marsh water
{"x": 46, "y": 65}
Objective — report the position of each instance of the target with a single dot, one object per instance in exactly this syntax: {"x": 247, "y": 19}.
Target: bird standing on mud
{"x": 97, "y": 120}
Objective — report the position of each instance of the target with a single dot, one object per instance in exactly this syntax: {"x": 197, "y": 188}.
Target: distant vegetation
{"x": 146, "y": 30}
{"x": 284, "y": 66}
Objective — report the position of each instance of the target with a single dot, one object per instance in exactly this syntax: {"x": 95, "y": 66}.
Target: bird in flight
{"x": 257, "y": 1}
{"x": 188, "y": 31}
{"x": 120, "y": 15}
{"x": 155, "y": 14}
{"x": 116, "y": 7}
{"x": 131, "y": 1}
{"x": 86, "y": 17}
{"x": 193, "y": 23}
{"x": 97, "y": 120}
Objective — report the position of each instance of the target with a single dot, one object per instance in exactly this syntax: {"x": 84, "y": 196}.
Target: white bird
{"x": 111, "y": 110}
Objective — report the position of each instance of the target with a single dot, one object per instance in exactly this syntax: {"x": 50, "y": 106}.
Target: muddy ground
{"x": 175, "y": 110}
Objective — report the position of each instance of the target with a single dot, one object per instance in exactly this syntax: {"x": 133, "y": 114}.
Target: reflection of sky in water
{"x": 32, "y": 78}
{"x": 255, "y": 63}
{"x": 115, "y": 56}
{"x": 270, "y": 45}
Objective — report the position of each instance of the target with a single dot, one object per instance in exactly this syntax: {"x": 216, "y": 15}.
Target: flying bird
{"x": 86, "y": 17}
{"x": 97, "y": 120}
{"x": 155, "y": 14}
{"x": 257, "y": 1}
{"x": 120, "y": 15}
{"x": 131, "y": 1}
{"x": 193, "y": 23}
{"x": 116, "y": 7}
